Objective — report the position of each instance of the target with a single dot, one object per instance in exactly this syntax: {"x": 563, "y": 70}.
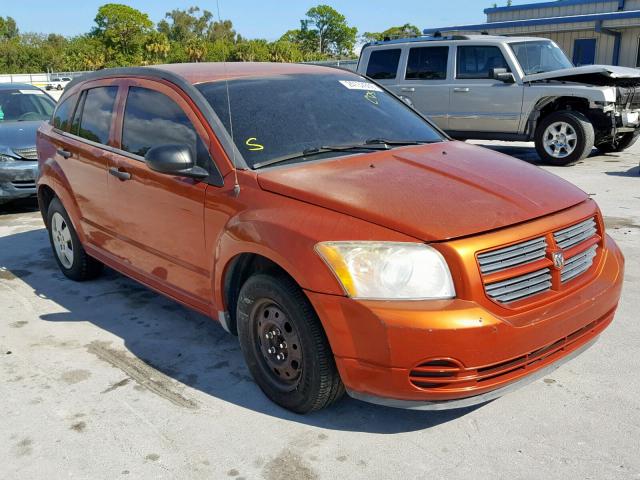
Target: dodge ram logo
{"x": 558, "y": 260}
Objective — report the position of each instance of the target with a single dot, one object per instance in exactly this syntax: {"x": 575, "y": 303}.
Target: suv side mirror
{"x": 174, "y": 159}
{"x": 502, "y": 75}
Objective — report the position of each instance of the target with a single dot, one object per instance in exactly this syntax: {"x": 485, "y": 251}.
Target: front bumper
{"x": 17, "y": 179}
{"x": 379, "y": 346}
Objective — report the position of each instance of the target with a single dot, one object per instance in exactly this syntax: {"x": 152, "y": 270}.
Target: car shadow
{"x": 23, "y": 205}
{"x": 632, "y": 172}
{"x": 177, "y": 343}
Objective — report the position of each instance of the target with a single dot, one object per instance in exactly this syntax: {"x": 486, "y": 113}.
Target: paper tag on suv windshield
{"x": 351, "y": 85}
{"x": 31, "y": 92}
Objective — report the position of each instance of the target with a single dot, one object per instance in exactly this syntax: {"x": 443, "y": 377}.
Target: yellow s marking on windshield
{"x": 253, "y": 147}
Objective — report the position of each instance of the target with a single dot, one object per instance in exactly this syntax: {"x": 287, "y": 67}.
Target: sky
{"x": 254, "y": 18}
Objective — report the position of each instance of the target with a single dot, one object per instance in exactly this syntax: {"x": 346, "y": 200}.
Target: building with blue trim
{"x": 589, "y": 31}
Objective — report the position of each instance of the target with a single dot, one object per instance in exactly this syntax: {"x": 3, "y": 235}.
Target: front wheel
{"x": 284, "y": 345}
{"x": 564, "y": 137}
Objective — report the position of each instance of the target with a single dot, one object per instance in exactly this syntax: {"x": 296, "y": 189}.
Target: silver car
{"x": 22, "y": 109}
{"x": 513, "y": 89}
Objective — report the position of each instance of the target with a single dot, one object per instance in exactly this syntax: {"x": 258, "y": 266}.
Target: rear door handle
{"x": 407, "y": 89}
{"x": 63, "y": 153}
{"x": 462, "y": 90}
{"x": 120, "y": 174}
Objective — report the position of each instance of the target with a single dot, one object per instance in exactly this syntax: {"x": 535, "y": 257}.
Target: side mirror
{"x": 502, "y": 75}
{"x": 174, "y": 160}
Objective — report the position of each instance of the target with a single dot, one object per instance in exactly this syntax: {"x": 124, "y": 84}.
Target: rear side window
{"x": 151, "y": 119}
{"x": 61, "y": 116}
{"x": 97, "y": 111}
{"x": 478, "y": 62}
{"x": 428, "y": 63}
{"x": 383, "y": 64}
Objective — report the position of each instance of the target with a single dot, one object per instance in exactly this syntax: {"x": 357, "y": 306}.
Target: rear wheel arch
{"x": 45, "y": 197}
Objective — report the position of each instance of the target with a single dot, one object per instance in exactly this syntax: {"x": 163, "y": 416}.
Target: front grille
{"x": 523, "y": 270}
{"x": 27, "y": 153}
{"x": 576, "y": 234}
{"x": 24, "y": 184}
{"x": 629, "y": 98}
{"x": 514, "y": 255}
{"x": 578, "y": 264}
{"x": 519, "y": 287}
{"x": 449, "y": 375}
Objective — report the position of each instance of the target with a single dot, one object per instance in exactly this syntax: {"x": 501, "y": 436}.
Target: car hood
{"x": 18, "y": 134}
{"x": 600, "y": 75}
{"x": 431, "y": 192}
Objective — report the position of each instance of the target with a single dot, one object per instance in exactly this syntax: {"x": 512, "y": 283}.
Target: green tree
{"x": 334, "y": 36}
{"x": 196, "y": 49}
{"x": 181, "y": 25}
{"x": 157, "y": 47}
{"x": 123, "y": 30}
{"x": 403, "y": 31}
{"x": 8, "y": 28}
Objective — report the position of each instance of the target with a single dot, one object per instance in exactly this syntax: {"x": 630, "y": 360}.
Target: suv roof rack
{"x": 418, "y": 38}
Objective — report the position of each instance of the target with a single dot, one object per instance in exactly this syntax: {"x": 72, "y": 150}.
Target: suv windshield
{"x": 296, "y": 117}
{"x": 24, "y": 105}
{"x": 540, "y": 57}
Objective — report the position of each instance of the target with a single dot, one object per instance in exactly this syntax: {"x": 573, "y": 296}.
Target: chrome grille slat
{"x": 519, "y": 284}
{"x": 513, "y": 255}
{"x": 575, "y": 234}
{"x": 578, "y": 264}
{"x": 29, "y": 153}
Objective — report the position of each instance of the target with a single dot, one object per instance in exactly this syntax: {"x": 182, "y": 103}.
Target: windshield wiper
{"x": 398, "y": 143}
{"x": 309, "y": 152}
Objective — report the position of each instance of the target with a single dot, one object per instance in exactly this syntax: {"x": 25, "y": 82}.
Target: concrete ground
{"x": 107, "y": 379}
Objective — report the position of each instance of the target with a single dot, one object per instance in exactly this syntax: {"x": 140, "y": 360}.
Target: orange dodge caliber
{"x": 348, "y": 243}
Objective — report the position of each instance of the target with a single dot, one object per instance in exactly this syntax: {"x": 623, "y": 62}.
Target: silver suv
{"x": 511, "y": 88}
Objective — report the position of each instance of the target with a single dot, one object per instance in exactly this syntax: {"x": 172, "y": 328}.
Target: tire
{"x": 306, "y": 378}
{"x": 567, "y": 133}
{"x": 59, "y": 87}
{"x": 70, "y": 256}
{"x": 626, "y": 141}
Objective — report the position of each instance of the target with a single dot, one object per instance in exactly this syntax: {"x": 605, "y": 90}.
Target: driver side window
{"x": 477, "y": 62}
{"x": 151, "y": 119}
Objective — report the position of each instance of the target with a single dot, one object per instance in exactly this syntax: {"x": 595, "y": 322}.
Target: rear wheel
{"x": 284, "y": 345}
{"x": 564, "y": 137}
{"x": 67, "y": 249}
{"x": 626, "y": 141}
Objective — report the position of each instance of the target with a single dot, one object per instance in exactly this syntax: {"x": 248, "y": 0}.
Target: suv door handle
{"x": 120, "y": 174}
{"x": 407, "y": 89}
{"x": 63, "y": 153}
{"x": 462, "y": 90}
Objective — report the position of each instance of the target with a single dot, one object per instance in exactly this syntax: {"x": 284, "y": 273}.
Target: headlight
{"x": 388, "y": 270}
{"x": 6, "y": 158}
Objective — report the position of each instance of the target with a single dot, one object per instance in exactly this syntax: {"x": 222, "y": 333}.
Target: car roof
{"x": 454, "y": 39}
{"x": 195, "y": 73}
{"x": 17, "y": 86}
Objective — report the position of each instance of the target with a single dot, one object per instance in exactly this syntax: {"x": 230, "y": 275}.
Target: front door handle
{"x": 462, "y": 90}
{"x": 407, "y": 89}
{"x": 120, "y": 174}
{"x": 63, "y": 153}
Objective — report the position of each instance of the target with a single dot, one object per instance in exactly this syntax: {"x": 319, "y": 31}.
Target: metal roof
{"x": 560, "y": 3}
{"x": 591, "y": 17}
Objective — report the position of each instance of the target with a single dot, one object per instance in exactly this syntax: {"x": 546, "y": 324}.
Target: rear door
{"x": 160, "y": 218}
{"x": 425, "y": 82}
{"x": 83, "y": 152}
{"x": 478, "y": 102}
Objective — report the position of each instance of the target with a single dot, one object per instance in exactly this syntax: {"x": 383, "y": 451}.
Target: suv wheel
{"x": 626, "y": 141}
{"x": 564, "y": 137}
{"x": 68, "y": 252}
{"x": 284, "y": 345}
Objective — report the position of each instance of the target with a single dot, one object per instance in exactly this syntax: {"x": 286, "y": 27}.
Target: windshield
{"x": 540, "y": 57}
{"x": 24, "y": 105}
{"x": 285, "y": 116}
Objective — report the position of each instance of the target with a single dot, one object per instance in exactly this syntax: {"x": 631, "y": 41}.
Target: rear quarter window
{"x": 60, "y": 119}
{"x": 383, "y": 64}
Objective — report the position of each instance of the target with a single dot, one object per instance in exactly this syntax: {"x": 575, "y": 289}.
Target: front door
{"x": 584, "y": 51}
{"x": 479, "y": 103}
{"x": 160, "y": 218}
